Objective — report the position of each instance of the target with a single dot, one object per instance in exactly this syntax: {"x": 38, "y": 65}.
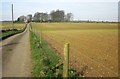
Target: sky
{"x": 98, "y": 10}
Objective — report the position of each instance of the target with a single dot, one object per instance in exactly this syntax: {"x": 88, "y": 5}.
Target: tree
{"x": 57, "y": 16}
{"x": 69, "y": 17}
{"x": 45, "y": 17}
{"x": 36, "y": 17}
{"x": 29, "y": 18}
{"x": 40, "y": 17}
{"x": 54, "y": 16}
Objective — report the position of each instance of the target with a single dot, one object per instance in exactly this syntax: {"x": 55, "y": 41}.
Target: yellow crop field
{"x": 8, "y": 25}
{"x": 74, "y": 26}
{"x": 0, "y": 26}
{"x": 93, "y": 46}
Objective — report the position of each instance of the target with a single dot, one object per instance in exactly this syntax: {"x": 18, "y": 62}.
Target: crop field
{"x": 8, "y": 25}
{"x": 7, "y": 29}
{"x": 93, "y": 46}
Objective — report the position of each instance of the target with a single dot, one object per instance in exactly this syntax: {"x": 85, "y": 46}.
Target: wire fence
{"x": 95, "y": 67}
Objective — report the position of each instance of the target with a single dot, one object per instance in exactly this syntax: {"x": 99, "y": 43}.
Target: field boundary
{"x": 40, "y": 51}
{"x": 12, "y": 32}
{"x": 40, "y": 58}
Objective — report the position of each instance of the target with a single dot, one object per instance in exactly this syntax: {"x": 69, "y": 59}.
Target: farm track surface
{"x": 16, "y": 56}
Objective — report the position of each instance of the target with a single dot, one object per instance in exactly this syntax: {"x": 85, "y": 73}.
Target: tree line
{"x": 54, "y": 16}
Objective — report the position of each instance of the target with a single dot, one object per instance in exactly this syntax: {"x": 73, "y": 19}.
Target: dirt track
{"x": 16, "y": 56}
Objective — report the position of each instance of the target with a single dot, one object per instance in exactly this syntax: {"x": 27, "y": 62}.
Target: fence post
{"x": 41, "y": 37}
{"x": 30, "y": 26}
{"x": 66, "y": 60}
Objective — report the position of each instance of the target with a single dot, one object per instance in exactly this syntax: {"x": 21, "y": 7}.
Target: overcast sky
{"x": 106, "y": 10}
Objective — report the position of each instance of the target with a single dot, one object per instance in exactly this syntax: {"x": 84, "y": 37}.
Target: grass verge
{"x": 7, "y": 34}
{"x": 45, "y": 60}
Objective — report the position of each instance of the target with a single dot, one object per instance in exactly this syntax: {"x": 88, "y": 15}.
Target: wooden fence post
{"x": 41, "y": 37}
{"x": 30, "y": 26}
{"x": 66, "y": 60}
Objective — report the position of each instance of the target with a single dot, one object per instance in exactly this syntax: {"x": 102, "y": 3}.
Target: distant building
{"x": 21, "y": 19}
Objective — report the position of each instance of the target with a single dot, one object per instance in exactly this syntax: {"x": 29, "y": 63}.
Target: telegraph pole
{"x": 12, "y": 18}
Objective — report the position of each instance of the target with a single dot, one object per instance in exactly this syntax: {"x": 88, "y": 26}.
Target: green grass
{"x": 8, "y": 25}
{"x": 10, "y": 33}
{"x": 43, "y": 58}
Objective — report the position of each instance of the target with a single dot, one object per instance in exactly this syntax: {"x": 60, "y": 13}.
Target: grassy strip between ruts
{"x": 45, "y": 60}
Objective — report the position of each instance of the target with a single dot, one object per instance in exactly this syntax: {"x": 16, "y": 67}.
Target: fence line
{"x": 95, "y": 61}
